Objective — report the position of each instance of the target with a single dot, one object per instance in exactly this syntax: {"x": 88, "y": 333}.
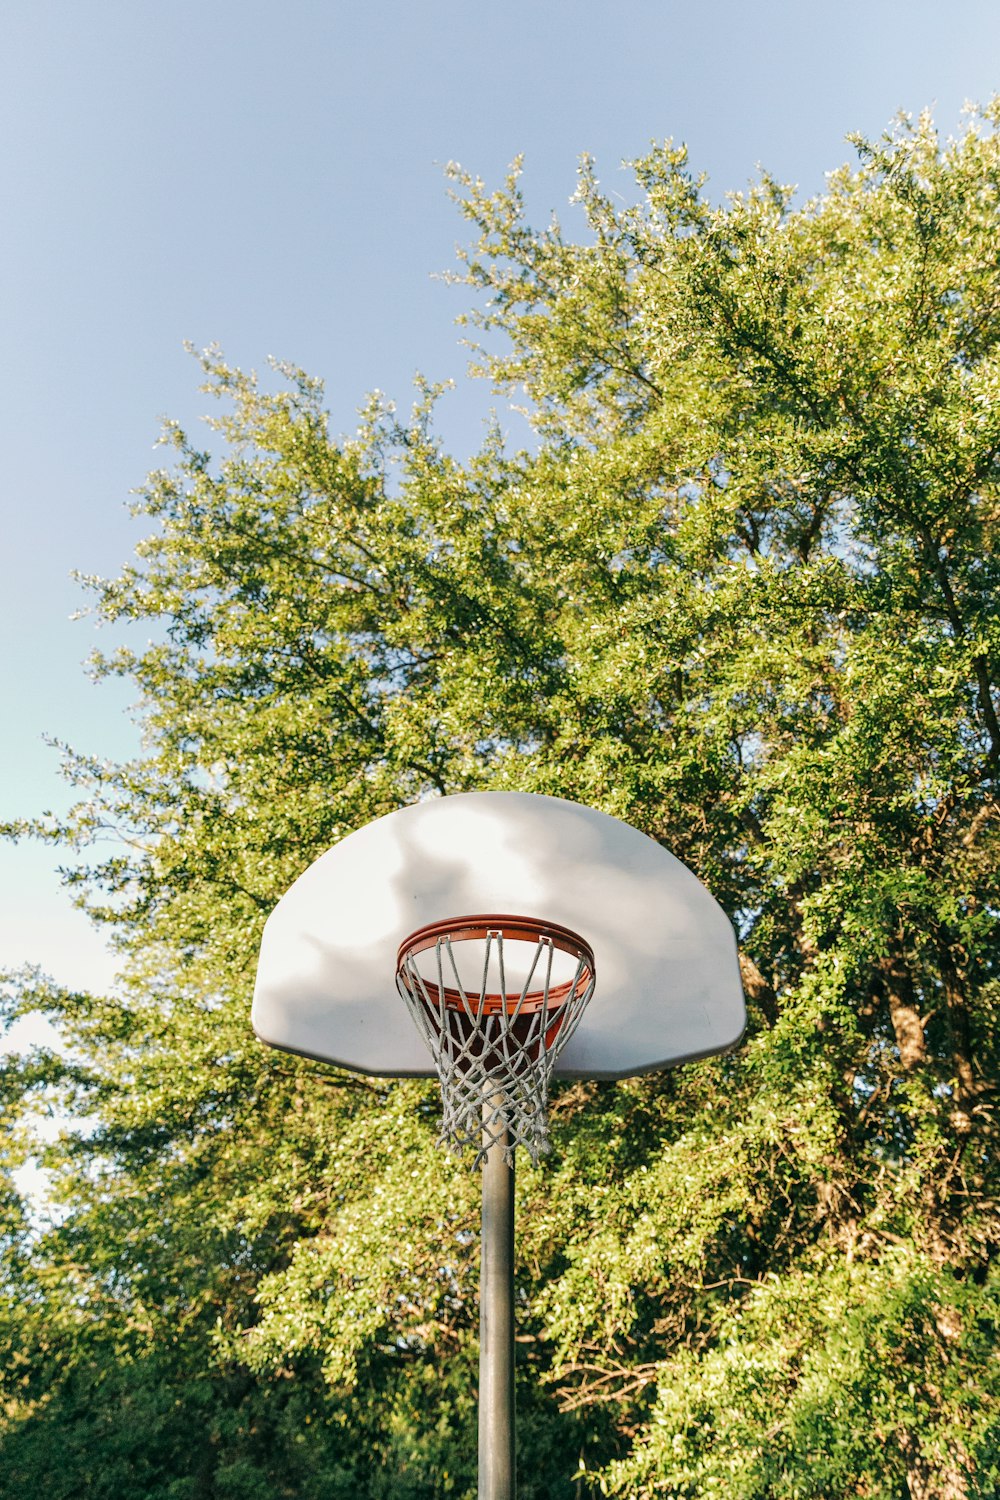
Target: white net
{"x": 496, "y": 1008}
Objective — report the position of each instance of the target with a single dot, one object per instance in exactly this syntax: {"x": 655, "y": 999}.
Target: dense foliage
{"x": 742, "y": 593}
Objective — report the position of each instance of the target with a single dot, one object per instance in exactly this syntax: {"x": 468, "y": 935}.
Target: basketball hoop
{"x": 500, "y": 1002}
{"x": 496, "y": 998}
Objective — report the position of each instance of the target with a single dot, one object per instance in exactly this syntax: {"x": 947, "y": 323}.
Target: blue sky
{"x": 271, "y": 179}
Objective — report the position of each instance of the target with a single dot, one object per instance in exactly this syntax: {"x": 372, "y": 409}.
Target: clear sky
{"x": 270, "y": 178}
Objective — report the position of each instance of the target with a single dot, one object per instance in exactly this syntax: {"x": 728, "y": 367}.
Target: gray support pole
{"x": 497, "y": 1472}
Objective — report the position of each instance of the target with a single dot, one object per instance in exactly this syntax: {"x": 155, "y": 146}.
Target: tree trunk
{"x": 924, "y": 1482}
{"x": 907, "y": 1023}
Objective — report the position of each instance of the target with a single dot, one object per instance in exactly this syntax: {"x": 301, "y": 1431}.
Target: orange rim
{"x": 524, "y": 929}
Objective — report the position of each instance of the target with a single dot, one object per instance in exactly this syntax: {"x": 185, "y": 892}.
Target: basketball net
{"x": 496, "y": 999}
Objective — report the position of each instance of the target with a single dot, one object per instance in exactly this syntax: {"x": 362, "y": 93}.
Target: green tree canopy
{"x": 743, "y": 593}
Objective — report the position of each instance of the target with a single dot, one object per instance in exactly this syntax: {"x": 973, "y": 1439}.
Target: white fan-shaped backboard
{"x": 668, "y": 983}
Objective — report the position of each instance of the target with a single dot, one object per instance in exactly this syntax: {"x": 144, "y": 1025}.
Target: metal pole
{"x": 497, "y": 1471}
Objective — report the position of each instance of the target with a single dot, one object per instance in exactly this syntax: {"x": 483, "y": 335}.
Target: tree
{"x": 743, "y": 594}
